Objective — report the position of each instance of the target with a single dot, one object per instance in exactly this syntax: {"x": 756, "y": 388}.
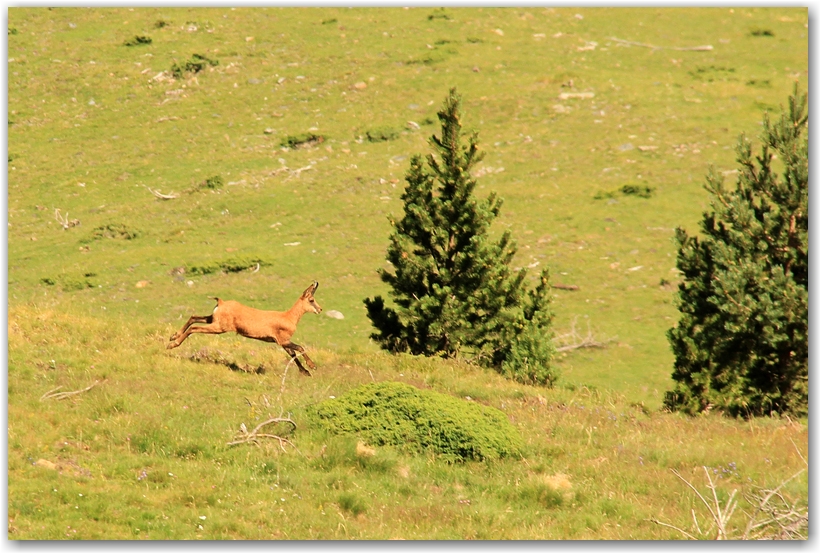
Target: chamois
{"x": 268, "y": 326}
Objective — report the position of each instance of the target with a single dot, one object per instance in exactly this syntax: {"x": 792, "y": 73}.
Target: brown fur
{"x": 268, "y": 326}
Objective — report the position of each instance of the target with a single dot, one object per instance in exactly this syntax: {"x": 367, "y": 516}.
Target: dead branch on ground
{"x": 298, "y": 172}
{"x": 64, "y": 220}
{"x": 161, "y": 196}
{"x": 253, "y": 437}
{"x": 781, "y": 519}
{"x": 573, "y": 340}
{"x": 774, "y": 516}
{"x": 53, "y": 394}
{"x": 704, "y": 48}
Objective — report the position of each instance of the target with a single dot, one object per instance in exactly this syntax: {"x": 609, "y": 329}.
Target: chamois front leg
{"x": 295, "y": 350}
{"x": 212, "y": 328}
{"x": 194, "y": 319}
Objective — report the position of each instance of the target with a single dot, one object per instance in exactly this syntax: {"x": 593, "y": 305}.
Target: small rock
{"x": 46, "y": 464}
{"x": 361, "y": 85}
{"x": 269, "y": 131}
{"x": 579, "y": 95}
{"x": 364, "y": 451}
{"x": 333, "y": 314}
{"x": 142, "y": 284}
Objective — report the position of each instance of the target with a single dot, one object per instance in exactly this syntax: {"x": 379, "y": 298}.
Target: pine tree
{"x": 454, "y": 290}
{"x": 741, "y": 344}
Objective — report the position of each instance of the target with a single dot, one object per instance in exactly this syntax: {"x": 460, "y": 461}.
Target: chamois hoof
{"x": 171, "y": 345}
{"x": 305, "y": 372}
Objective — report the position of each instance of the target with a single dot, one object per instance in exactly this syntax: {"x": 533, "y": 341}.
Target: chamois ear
{"x": 310, "y": 290}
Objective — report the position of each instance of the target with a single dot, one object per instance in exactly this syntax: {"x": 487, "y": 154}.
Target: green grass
{"x": 94, "y": 123}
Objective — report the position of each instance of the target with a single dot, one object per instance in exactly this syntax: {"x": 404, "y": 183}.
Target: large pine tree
{"x": 454, "y": 291}
{"x": 741, "y": 344}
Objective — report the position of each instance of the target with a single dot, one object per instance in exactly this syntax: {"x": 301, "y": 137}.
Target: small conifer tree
{"x": 453, "y": 288}
{"x": 741, "y": 344}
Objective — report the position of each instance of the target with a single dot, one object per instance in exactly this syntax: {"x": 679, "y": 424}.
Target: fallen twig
{"x": 252, "y": 437}
{"x": 161, "y": 196}
{"x": 572, "y": 340}
{"x": 790, "y": 519}
{"x": 783, "y": 519}
{"x": 64, "y": 221}
{"x": 53, "y": 394}
{"x": 704, "y": 48}
{"x": 298, "y": 172}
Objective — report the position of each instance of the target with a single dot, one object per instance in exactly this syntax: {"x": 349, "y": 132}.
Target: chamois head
{"x": 307, "y": 296}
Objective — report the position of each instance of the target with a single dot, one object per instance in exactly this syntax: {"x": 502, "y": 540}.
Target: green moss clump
{"x": 138, "y": 40}
{"x": 116, "y": 231}
{"x": 381, "y": 134}
{"x": 305, "y": 140}
{"x": 197, "y": 63}
{"x": 232, "y": 265}
{"x": 393, "y": 413}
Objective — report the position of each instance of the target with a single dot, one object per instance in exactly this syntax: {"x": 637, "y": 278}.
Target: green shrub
{"x": 196, "y": 64}
{"x": 231, "y": 265}
{"x": 117, "y": 231}
{"x": 454, "y": 290}
{"x": 381, "y": 134}
{"x": 352, "y": 503}
{"x": 304, "y": 140}
{"x": 138, "y": 40}
{"x": 213, "y": 183}
{"x": 741, "y": 344}
{"x": 394, "y": 413}
{"x": 637, "y": 190}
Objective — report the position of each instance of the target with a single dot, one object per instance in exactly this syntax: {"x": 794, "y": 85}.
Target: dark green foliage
{"x": 196, "y": 64}
{"x": 761, "y": 32}
{"x": 642, "y": 191}
{"x": 213, "y": 183}
{"x": 160, "y": 23}
{"x": 352, "y": 503}
{"x": 330, "y": 21}
{"x": 439, "y": 14}
{"x": 639, "y": 190}
{"x": 231, "y": 265}
{"x": 138, "y": 40}
{"x": 741, "y": 344}
{"x": 71, "y": 283}
{"x": 381, "y": 134}
{"x": 117, "y": 231}
{"x": 539, "y": 494}
{"x": 304, "y": 140}
{"x": 454, "y": 291}
{"x": 394, "y": 413}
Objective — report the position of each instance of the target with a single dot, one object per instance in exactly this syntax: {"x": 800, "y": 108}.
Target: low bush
{"x": 394, "y": 413}
{"x": 231, "y": 265}
{"x": 138, "y": 40}
{"x": 305, "y": 140}
{"x": 196, "y": 64}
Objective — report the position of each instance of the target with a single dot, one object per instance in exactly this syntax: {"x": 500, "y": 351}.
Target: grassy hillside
{"x": 284, "y": 139}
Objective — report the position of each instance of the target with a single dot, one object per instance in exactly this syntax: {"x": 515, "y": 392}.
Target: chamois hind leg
{"x": 194, "y": 319}
{"x": 212, "y": 328}
{"x": 294, "y": 350}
